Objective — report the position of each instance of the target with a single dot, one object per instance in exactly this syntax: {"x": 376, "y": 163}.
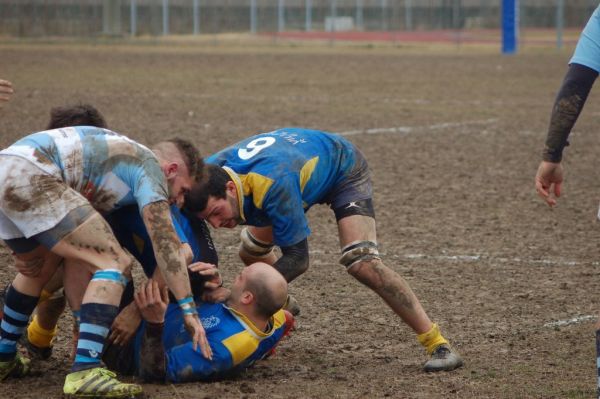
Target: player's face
{"x": 179, "y": 183}
{"x": 178, "y": 187}
{"x": 222, "y": 212}
{"x": 238, "y": 287}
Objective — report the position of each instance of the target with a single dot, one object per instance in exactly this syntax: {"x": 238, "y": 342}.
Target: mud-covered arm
{"x": 166, "y": 244}
{"x": 568, "y": 105}
{"x": 152, "y": 354}
{"x": 294, "y": 260}
{"x": 171, "y": 263}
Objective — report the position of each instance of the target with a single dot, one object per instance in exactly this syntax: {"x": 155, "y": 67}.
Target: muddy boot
{"x": 443, "y": 358}
{"x": 291, "y": 305}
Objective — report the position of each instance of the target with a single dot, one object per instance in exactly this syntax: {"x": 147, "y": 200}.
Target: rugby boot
{"x": 443, "y": 358}
{"x": 18, "y": 367}
{"x": 98, "y": 383}
{"x": 292, "y": 306}
{"x": 36, "y": 352}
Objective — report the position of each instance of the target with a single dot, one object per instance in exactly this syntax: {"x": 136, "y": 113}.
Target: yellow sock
{"x": 39, "y": 336}
{"x": 432, "y": 339}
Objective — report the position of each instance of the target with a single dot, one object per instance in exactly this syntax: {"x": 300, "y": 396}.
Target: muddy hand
{"x": 195, "y": 329}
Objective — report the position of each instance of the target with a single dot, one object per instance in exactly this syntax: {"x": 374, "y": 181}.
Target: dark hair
{"x": 266, "y": 301}
{"x": 75, "y": 115}
{"x": 213, "y": 184}
{"x": 191, "y": 157}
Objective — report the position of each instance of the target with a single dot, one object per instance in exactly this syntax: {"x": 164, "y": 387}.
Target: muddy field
{"x": 453, "y": 137}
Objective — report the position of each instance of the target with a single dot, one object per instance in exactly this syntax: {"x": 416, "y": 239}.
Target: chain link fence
{"x": 88, "y": 18}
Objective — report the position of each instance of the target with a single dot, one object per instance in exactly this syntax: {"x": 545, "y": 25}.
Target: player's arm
{"x": 568, "y": 105}
{"x": 293, "y": 261}
{"x": 171, "y": 263}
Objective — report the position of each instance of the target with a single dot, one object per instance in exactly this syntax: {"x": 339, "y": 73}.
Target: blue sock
{"x": 17, "y": 309}
{"x": 96, "y": 319}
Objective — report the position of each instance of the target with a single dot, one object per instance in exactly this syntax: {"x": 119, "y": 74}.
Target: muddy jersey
{"x": 281, "y": 174}
{"x": 108, "y": 169}
{"x": 236, "y": 343}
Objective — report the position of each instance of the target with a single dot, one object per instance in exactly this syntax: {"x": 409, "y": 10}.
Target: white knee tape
{"x": 253, "y": 246}
{"x": 358, "y": 251}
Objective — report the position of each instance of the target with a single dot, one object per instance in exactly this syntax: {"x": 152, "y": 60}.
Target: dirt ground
{"x": 453, "y": 137}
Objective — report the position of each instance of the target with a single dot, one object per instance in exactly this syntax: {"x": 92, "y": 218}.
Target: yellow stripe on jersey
{"x": 241, "y": 346}
{"x": 257, "y": 185}
{"x": 307, "y": 171}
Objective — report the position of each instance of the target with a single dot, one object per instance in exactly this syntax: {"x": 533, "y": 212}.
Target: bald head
{"x": 268, "y": 287}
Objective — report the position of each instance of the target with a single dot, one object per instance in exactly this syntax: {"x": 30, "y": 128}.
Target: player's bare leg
{"x": 358, "y": 240}
{"x": 94, "y": 244}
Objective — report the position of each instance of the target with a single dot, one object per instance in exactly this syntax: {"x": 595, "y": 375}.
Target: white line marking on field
{"x": 412, "y": 129}
{"x": 574, "y": 320}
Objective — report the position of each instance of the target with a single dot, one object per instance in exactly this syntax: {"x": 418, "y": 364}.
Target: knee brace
{"x": 253, "y": 246}
{"x": 358, "y": 251}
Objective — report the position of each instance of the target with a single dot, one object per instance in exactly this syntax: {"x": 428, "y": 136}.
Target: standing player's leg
{"x": 94, "y": 244}
{"x": 21, "y": 299}
{"x": 361, "y": 257}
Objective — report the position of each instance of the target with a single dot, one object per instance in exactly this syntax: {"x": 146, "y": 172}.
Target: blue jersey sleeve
{"x": 184, "y": 364}
{"x": 149, "y": 184}
{"x": 284, "y": 206}
{"x": 587, "y": 52}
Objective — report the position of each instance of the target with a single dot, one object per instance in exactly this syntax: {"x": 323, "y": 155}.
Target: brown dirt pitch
{"x": 453, "y": 137}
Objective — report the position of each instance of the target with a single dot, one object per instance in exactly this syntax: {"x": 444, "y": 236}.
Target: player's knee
{"x": 361, "y": 259}
{"x": 252, "y": 247}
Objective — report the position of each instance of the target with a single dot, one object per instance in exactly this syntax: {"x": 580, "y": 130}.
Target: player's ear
{"x": 171, "y": 169}
{"x": 247, "y": 298}
{"x": 230, "y": 187}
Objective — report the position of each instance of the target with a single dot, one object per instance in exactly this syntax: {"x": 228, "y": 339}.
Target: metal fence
{"x": 85, "y": 18}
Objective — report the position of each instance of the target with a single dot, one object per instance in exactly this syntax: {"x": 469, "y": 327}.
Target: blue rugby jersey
{"x": 587, "y": 52}
{"x": 281, "y": 174}
{"x": 108, "y": 169}
{"x": 236, "y": 343}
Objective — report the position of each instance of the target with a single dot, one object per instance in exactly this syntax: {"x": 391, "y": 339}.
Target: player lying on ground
{"x": 270, "y": 180}
{"x": 54, "y": 185}
{"x": 241, "y": 331}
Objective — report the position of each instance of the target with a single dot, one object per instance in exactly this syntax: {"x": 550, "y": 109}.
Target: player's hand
{"x": 210, "y": 272}
{"x": 29, "y": 267}
{"x": 195, "y": 329}
{"x": 6, "y": 90}
{"x": 548, "y": 181}
{"x": 217, "y": 295}
{"x": 125, "y": 325}
{"x": 152, "y": 302}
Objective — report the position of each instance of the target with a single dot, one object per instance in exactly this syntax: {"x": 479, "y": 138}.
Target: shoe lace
{"x": 107, "y": 373}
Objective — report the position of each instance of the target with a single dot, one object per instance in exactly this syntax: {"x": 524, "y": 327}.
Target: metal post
{"x": 133, "y": 17}
{"x": 359, "y": 14}
{"x": 383, "y": 15}
{"x": 308, "y": 18}
{"x": 281, "y": 15}
{"x": 333, "y": 20}
{"x": 165, "y": 15}
{"x": 196, "y": 16}
{"x": 408, "y": 14}
{"x": 253, "y": 16}
{"x": 560, "y": 23}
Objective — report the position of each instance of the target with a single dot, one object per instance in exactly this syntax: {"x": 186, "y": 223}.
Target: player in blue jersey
{"x": 270, "y": 180}
{"x": 54, "y": 186}
{"x": 241, "y": 331}
{"x": 581, "y": 74}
